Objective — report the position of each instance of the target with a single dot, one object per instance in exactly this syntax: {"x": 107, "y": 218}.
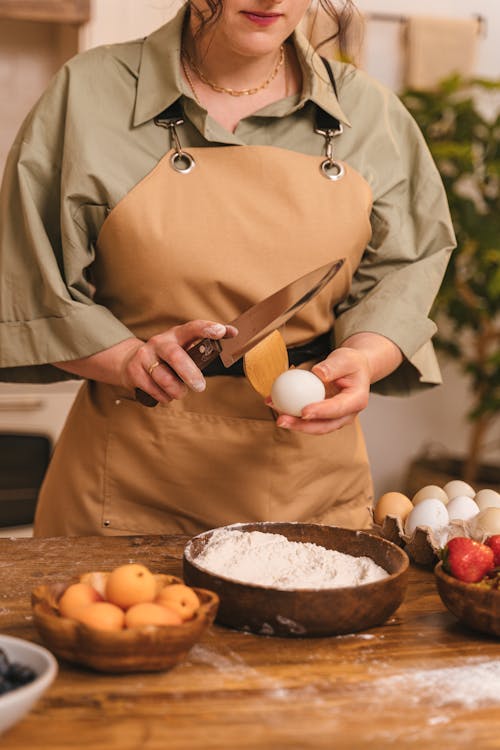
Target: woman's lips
{"x": 262, "y": 19}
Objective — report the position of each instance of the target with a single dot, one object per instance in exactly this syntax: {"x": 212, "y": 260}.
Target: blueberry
{"x": 4, "y": 663}
{"x": 13, "y": 674}
{"x": 20, "y": 674}
{"x": 5, "y": 686}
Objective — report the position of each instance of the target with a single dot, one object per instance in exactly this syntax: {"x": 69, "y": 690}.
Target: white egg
{"x": 487, "y": 499}
{"x": 457, "y": 488}
{"x": 430, "y": 512}
{"x": 295, "y": 389}
{"x": 430, "y": 491}
{"x": 486, "y": 523}
{"x": 462, "y": 508}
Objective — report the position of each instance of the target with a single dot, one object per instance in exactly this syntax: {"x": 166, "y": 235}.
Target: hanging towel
{"x": 317, "y": 25}
{"x": 439, "y": 47}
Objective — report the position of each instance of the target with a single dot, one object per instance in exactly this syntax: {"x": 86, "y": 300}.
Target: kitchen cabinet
{"x": 48, "y": 11}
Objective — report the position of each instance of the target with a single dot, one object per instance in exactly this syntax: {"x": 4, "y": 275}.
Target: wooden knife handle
{"x": 202, "y": 354}
{"x": 144, "y": 398}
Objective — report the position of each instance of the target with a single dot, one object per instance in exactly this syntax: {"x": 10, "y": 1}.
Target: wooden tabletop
{"x": 420, "y": 681}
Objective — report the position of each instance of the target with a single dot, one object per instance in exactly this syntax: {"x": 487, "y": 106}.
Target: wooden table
{"x": 379, "y": 689}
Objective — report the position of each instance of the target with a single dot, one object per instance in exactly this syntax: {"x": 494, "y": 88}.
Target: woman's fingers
{"x": 346, "y": 377}
{"x": 161, "y": 366}
{"x": 188, "y": 333}
{"x": 313, "y": 427}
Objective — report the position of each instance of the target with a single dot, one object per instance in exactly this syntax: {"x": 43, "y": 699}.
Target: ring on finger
{"x": 152, "y": 367}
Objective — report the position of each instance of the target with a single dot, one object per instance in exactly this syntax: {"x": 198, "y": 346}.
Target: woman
{"x": 117, "y": 257}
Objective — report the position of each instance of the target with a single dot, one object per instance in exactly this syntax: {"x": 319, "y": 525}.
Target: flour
{"x": 272, "y": 560}
{"x": 468, "y": 685}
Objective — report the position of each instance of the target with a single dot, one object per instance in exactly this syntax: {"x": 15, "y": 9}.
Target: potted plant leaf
{"x": 465, "y": 142}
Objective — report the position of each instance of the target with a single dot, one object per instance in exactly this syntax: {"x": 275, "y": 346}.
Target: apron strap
{"x": 329, "y": 127}
{"x": 173, "y": 113}
{"x": 324, "y": 120}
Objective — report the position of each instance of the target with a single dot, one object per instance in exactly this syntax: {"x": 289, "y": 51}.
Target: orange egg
{"x": 149, "y": 613}
{"x": 130, "y": 584}
{"x": 180, "y": 598}
{"x": 75, "y": 597}
{"x": 102, "y": 616}
{"x": 392, "y": 504}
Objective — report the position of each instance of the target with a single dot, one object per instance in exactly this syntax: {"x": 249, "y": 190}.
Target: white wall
{"x": 119, "y": 20}
{"x": 382, "y": 40}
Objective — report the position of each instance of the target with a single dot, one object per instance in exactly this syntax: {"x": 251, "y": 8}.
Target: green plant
{"x": 465, "y": 144}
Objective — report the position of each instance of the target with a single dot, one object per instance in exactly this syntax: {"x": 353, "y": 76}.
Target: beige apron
{"x": 208, "y": 244}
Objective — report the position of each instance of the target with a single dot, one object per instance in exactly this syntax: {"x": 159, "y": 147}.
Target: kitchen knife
{"x": 258, "y": 321}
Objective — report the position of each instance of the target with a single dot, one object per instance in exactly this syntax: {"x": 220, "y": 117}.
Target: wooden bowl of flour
{"x": 272, "y": 610}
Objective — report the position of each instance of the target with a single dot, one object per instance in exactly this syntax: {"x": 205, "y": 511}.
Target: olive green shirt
{"x": 91, "y": 138}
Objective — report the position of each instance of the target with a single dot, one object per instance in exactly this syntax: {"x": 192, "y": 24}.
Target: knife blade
{"x": 258, "y": 321}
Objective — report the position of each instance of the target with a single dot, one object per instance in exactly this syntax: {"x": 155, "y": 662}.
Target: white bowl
{"x": 15, "y": 704}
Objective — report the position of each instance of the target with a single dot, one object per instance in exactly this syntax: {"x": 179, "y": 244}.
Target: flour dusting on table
{"x": 266, "y": 559}
{"x": 469, "y": 685}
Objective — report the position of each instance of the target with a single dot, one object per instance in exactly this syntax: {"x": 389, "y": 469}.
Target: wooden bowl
{"x": 149, "y": 648}
{"x": 306, "y": 612}
{"x": 475, "y": 606}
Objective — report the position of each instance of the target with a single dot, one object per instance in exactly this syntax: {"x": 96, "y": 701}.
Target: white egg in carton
{"x": 437, "y": 515}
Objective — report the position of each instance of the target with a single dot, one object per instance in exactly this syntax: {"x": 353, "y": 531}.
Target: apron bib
{"x": 244, "y": 222}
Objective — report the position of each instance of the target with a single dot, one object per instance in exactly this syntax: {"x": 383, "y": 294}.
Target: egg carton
{"x": 424, "y": 544}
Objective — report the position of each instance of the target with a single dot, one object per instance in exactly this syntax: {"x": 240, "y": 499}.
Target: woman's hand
{"x": 159, "y": 366}
{"x": 347, "y": 374}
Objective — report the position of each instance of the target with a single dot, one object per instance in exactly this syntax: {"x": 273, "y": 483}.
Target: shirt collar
{"x": 316, "y": 86}
{"x": 159, "y": 81}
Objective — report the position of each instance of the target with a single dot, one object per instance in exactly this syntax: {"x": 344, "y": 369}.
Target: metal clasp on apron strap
{"x": 328, "y": 126}
{"x": 331, "y": 169}
{"x": 170, "y": 118}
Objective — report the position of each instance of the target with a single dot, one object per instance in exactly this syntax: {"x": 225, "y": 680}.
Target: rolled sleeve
{"x": 47, "y": 312}
{"x": 399, "y": 276}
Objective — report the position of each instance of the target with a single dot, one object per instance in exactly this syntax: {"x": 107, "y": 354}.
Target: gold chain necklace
{"x": 224, "y": 89}
{"x": 188, "y": 77}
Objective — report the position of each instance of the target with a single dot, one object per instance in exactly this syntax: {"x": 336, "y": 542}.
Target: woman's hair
{"x": 340, "y": 11}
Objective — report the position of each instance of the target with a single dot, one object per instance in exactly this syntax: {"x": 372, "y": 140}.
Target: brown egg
{"x": 392, "y": 504}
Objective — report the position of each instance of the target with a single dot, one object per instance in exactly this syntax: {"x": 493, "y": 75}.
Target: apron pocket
{"x": 174, "y": 471}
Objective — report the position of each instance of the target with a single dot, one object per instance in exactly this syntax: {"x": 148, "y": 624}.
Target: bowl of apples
{"x": 125, "y": 620}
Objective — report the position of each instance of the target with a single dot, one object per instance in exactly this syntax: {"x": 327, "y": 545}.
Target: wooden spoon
{"x": 267, "y": 360}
